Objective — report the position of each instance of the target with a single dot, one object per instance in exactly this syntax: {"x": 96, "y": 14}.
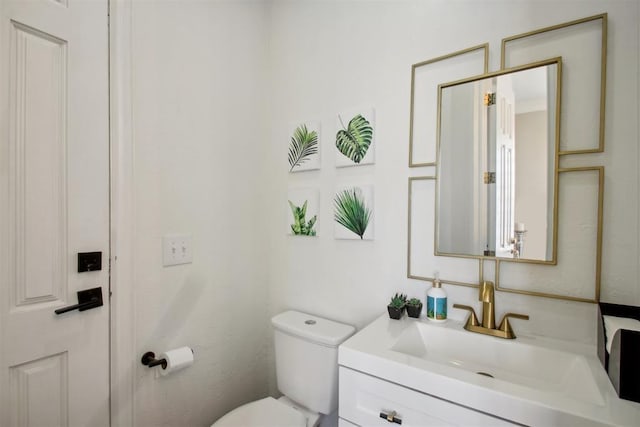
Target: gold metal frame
{"x": 603, "y": 69}
{"x": 425, "y": 278}
{"x": 484, "y": 47}
{"x": 600, "y": 170}
{"x": 558, "y": 62}
{"x": 603, "y": 64}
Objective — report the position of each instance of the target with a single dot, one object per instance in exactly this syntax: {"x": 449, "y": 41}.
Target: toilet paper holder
{"x": 149, "y": 359}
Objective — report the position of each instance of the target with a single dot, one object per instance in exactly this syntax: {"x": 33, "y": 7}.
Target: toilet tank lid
{"x": 313, "y": 328}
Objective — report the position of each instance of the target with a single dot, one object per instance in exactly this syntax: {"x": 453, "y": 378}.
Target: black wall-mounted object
{"x": 149, "y": 359}
{"x": 622, "y": 363}
{"x": 89, "y": 261}
{"x": 87, "y": 299}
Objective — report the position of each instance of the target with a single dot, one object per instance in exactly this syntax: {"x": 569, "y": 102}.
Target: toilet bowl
{"x": 267, "y": 412}
{"x": 307, "y": 373}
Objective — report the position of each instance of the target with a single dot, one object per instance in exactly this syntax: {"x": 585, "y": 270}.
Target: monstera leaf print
{"x": 303, "y": 145}
{"x": 354, "y": 141}
{"x": 351, "y": 211}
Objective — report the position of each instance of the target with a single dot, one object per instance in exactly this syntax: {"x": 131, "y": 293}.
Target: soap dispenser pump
{"x": 437, "y": 302}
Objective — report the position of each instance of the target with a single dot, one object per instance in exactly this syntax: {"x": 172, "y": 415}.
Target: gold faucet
{"x": 488, "y": 325}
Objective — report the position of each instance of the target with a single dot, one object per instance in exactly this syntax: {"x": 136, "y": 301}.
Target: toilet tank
{"x": 307, "y": 358}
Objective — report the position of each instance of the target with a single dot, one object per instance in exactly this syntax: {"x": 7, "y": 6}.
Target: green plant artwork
{"x": 351, "y": 211}
{"x": 354, "y": 140}
{"x": 304, "y": 144}
{"x": 300, "y": 226}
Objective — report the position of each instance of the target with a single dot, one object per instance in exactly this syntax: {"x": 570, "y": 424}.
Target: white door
{"x": 484, "y": 216}
{"x": 505, "y": 166}
{"x": 54, "y": 203}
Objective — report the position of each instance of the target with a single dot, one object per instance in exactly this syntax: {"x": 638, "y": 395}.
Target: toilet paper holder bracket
{"x": 149, "y": 359}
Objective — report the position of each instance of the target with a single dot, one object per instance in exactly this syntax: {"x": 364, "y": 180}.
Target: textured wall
{"x": 198, "y": 116}
{"x": 216, "y": 87}
{"x": 531, "y": 180}
{"x": 332, "y": 55}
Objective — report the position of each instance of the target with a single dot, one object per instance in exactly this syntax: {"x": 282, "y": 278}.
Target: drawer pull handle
{"x": 391, "y": 417}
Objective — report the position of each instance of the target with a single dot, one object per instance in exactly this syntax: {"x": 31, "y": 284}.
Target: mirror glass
{"x": 496, "y": 169}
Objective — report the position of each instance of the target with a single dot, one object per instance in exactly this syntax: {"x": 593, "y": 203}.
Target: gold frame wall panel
{"x": 425, "y": 77}
{"x": 569, "y": 221}
{"x": 585, "y": 72}
{"x": 428, "y": 260}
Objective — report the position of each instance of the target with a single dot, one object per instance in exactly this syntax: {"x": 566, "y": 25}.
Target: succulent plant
{"x": 302, "y": 227}
{"x": 414, "y": 302}
{"x": 398, "y": 300}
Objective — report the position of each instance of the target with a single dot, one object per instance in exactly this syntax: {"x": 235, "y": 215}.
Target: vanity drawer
{"x": 363, "y": 398}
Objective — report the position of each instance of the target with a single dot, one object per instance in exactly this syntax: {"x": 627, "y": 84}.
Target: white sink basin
{"x": 536, "y": 380}
{"x": 522, "y": 361}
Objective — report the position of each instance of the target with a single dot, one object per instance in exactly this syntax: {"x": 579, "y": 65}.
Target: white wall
{"x": 216, "y": 87}
{"x": 198, "y": 92}
{"x": 331, "y": 55}
{"x": 458, "y": 184}
{"x": 532, "y": 181}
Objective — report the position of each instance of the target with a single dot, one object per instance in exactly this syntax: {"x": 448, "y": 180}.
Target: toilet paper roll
{"x": 177, "y": 359}
{"x": 613, "y": 323}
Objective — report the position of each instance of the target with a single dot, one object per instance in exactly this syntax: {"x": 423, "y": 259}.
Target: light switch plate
{"x": 176, "y": 249}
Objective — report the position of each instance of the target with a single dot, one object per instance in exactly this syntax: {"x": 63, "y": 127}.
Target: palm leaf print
{"x": 351, "y": 211}
{"x": 303, "y": 145}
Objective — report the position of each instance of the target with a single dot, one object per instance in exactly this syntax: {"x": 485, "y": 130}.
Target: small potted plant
{"x": 396, "y": 306}
{"x": 414, "y": 307}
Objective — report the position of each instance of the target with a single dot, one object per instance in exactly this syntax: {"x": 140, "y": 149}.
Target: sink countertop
{"x": 371, "y": 351}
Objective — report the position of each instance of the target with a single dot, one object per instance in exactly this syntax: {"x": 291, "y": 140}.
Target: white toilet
{"x": 307, "y": 372}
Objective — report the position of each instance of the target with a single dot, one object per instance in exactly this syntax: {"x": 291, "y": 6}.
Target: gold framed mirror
{"x": 497, "y": 159}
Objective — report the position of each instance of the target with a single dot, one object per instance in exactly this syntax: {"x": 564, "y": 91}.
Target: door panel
{"x": 37, "y": 177}
{"x": 54, "y": 203}
{"x": 40, "y": 391}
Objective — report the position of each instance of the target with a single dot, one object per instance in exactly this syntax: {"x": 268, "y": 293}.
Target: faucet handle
{"x": 473, "y": 319}
{"x": 505, "y": 326}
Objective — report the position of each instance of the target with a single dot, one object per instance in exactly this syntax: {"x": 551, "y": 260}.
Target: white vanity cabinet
{"x": 428, "y": 374}
{"x": 363, "y": 398}
{"x": 344, "y": 423}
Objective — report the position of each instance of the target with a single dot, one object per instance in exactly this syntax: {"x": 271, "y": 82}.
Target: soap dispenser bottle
{"x": 437, "y": 302}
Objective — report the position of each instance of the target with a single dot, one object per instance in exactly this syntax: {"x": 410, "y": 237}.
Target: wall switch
{"x": 176, "y": 249}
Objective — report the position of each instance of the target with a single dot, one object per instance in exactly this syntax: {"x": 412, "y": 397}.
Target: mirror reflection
{"x": 497, "y": 154}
